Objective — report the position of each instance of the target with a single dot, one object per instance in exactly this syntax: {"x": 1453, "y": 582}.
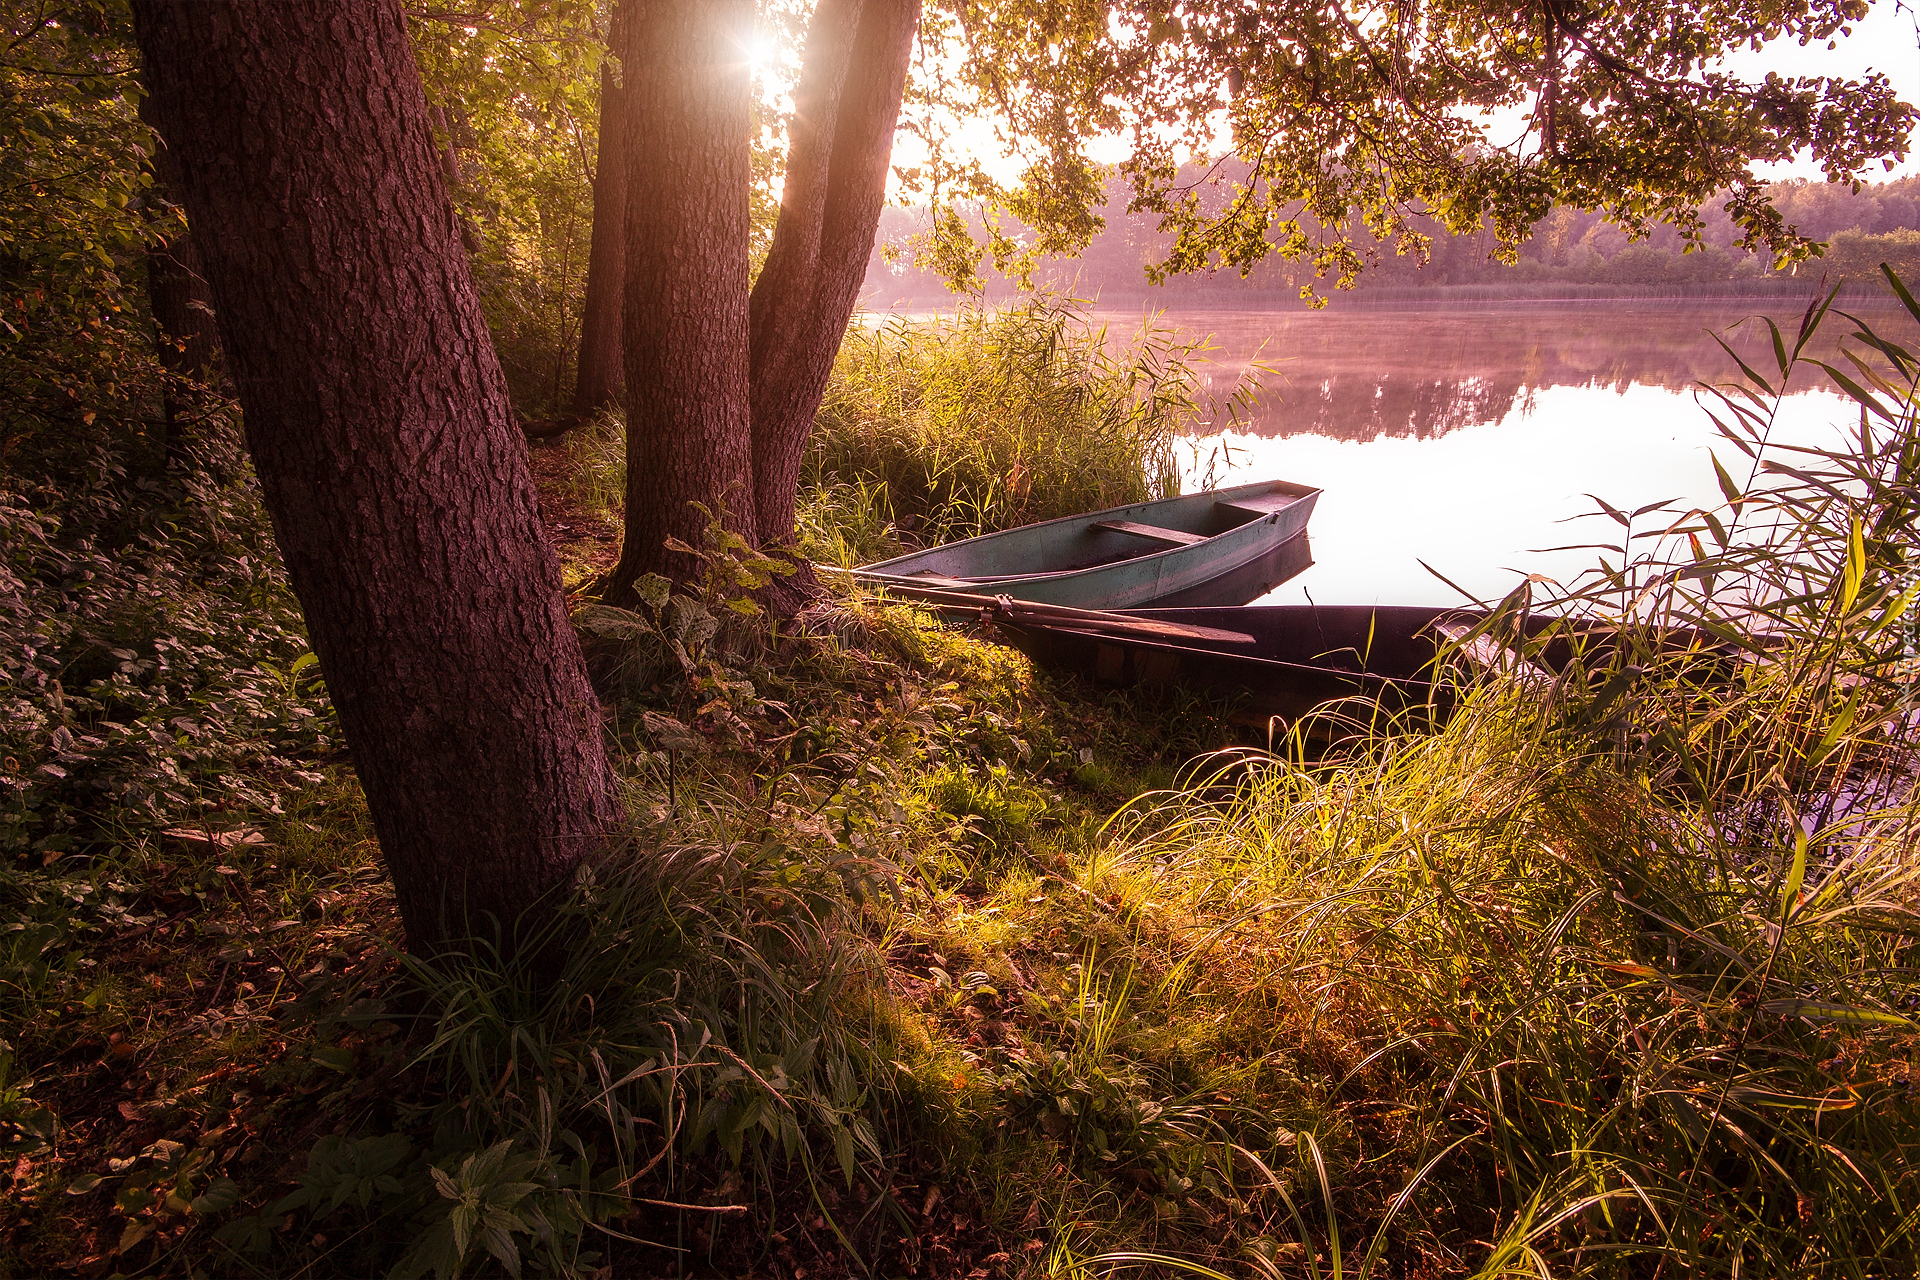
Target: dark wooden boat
{"x": 1220, "y": 547}
{"x": 1303, "y": 656}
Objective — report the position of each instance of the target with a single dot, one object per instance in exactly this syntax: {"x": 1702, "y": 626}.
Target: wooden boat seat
{"x": 1172, "y": 537}
{"x": 1260, "y": 504}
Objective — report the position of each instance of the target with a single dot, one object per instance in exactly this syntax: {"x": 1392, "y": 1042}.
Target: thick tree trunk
{"x": 378, "y": 422}
{"x": 185, "y": 335}
{"x": 845, "y": 109}
{"x": 601, "y": 377}
{"x": 689, "y": 435}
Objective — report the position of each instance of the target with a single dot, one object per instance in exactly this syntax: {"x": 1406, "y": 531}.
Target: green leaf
{"x": 84, "y": 1183}
{"x": 249, "y": 1234}
{"x": 1906, "y": 299}
{"x": 1796, "y": 875}
{"x": 135, "y": 1232}
{"x": 1727, "y": 487}
{"x": 670, "y": 734}
{"x": 335, "y": 1058}
{"x": 1838, "y": 729}
{"x": 1827, "y": 1011}
{"x": 1719, "y": 530}
{"x": 654, "y": 589}
{"x": 221, "y": 1195}
{"x": 1856, "y": 570}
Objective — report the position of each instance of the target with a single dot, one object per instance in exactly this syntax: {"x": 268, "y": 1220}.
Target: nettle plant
{"x": 153, "y": 657}
{"x": 688, "y": 646}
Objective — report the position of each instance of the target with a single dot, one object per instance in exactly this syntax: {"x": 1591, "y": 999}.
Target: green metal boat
{"x": 1219, "y": 547}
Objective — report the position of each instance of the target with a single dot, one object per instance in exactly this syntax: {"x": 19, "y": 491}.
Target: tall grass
{"x": 994, "y": 418}
{"x": 1613, "y": 975}
{"x": 1568, "y": 1025}
{"x": 989, "y": 419}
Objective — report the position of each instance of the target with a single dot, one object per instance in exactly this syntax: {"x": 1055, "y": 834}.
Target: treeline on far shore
{"x": 1572, "y": 255}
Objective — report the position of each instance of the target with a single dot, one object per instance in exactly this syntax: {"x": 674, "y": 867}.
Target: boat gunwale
{"x": 1259, "y": 663}
{"x": 1300, "y": 493}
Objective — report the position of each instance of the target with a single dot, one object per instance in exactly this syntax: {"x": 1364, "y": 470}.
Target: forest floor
{"x": 246, "y": 998}
{"x": 920, "y": 961}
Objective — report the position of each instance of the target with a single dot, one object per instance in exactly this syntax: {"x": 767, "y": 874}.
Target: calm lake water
{"x": 1469, "y": 437}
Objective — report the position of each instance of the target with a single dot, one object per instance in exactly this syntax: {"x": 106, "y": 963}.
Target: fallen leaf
{"x": 217, "y": 841}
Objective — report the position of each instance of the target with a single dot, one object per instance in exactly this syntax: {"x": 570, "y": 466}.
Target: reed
{"x": 1612, "y": 975}
{"x": 992, "y": 418}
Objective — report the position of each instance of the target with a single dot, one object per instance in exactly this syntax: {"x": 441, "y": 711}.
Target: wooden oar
{"x": 1012, "y": 610}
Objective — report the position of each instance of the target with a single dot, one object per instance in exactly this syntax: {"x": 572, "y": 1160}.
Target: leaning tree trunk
{"x": 689, "y": 438}
{"x": 845, "y": 109}
{"x": 377, "y": 418}
{"x": 600, "y": 376}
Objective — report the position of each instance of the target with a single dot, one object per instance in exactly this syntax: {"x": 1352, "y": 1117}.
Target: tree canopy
{"x": 1364, "y": 114}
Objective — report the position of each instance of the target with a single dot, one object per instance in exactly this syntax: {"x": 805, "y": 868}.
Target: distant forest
{"x": 1571, "y": 254}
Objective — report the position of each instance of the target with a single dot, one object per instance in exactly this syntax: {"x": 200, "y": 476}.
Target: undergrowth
{"x": 916, "y": 960}
{"x": 993, "y": 418}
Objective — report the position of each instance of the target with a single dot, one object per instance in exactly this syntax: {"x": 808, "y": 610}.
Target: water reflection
{"x": 1422, "y": 373}
{"x": 1469, "y": 439}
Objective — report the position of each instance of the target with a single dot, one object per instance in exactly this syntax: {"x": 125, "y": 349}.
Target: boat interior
{"x": 1080, "y": 542}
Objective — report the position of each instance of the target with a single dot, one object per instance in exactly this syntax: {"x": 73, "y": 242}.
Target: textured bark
{"x": 601, "y": 376}
{"x": 185, "y": 335}
{"x": 689, "y": 435}
{"x": 377, "y": 418}
{"x": 845, "y": 109}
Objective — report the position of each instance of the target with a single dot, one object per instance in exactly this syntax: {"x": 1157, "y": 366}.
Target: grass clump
{"x": 1610, "y": 975}
{"x": 994, "y": 418}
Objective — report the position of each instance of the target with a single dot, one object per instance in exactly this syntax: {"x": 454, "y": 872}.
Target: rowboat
{"x": 1300, "y": 656}
{"x": 1220, "y": 547}
{"x": 1292, "y": 658}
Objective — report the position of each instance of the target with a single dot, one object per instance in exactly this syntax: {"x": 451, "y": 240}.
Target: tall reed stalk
{"x": 990, "y": 418}
{"x": 1613, "y": 975}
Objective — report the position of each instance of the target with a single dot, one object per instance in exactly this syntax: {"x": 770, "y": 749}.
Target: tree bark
{"x": 377, "y": 418}
{"x": 845, "y": 109}
{"x": 184, "y": 331}
{"x": 689, "y": 434}
{"x": 600, "y": 378}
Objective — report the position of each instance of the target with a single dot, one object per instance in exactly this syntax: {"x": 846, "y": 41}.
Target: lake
{"x": 1469, "y": 436}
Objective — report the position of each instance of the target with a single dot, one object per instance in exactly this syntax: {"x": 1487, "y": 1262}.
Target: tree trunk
{"x": 845, "y": 109}
{"x": 689, "y": 434}
{"x": 184, "y": 336}
{"x": 600, "y": 377}
{"x": 377, "y": 417}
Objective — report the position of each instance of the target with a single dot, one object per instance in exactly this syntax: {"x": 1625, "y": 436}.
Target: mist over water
{"x": 1469, "y": 437}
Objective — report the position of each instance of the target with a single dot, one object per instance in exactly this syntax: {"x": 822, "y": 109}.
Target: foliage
{"x": 1611, "y": 972}
{"x": 76, "y": 343}
{"x": 1358, "y": 117}
{"x": 153, "y": 656}
{"x": 995, "y": 418}
{"x": 513, "y": 91}
{"x": 513, "y": 95}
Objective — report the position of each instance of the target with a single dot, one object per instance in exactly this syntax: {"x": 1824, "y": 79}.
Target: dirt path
{"x": 588, "y": 542}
